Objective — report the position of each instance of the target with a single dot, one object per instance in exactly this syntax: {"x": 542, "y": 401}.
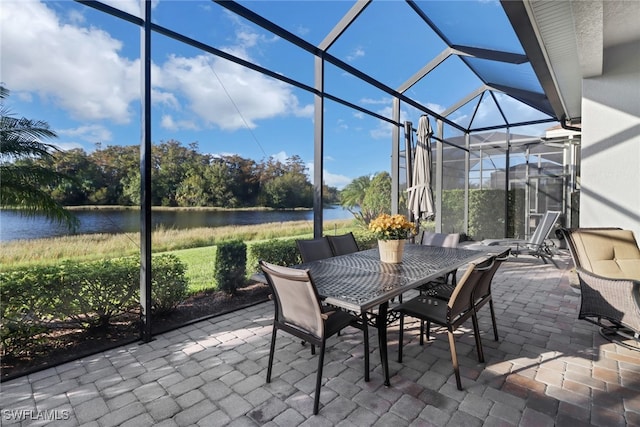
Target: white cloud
{"x": 461, "y": 119}
{"x": 383, "y": 129}
{"x": 66, "y": 146}
{"x": 304, "y": 111}
{"x": 336, "y": 180}
{"x": 355, "y": 54}
{"x": 41, "y": 52}
{"x": 129, "y": 6}
{"x": 223, "y": 154}
{"x": 301, "y": 30}
{"x": 167, "y": 122}
{"x": 281, "y": 156}
{"x": 89, "y": 133}
{"x": 331, "y": 179}
{"x": 371, "y": 101}
{"x": 342, "y": 125}
{"x": 436, "y": 108}
{"x": 225, "y": 94}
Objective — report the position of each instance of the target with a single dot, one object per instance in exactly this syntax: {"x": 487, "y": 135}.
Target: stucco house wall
{"x": 610, "y": 173}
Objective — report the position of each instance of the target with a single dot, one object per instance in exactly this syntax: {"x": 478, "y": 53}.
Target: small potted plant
{"x": 392, "y": 232}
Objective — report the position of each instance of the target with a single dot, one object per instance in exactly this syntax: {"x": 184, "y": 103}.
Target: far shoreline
{"x": 190, "y": 208}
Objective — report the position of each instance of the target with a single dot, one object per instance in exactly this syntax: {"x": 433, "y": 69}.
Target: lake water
{"x": 14, "y": 226}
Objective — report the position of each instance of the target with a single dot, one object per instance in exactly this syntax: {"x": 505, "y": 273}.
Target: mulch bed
{"x": 67, "y": 344}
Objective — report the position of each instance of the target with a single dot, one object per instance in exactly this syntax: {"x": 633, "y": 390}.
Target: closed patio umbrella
{"x": 420, "y": 193}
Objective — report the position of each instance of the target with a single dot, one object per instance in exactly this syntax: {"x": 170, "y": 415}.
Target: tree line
{"x": 180, "y": 177}
{"x": 38, "y": 177}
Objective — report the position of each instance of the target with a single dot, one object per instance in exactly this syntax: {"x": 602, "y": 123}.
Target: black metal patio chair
{"x": 299, "y": 312}
{"x": 450, "y": 314}
{"x": 343, "y": 244}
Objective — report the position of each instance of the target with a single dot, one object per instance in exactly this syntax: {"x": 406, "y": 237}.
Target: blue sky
{"x": 79, "y": 70}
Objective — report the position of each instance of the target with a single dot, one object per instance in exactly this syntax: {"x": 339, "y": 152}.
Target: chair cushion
{"x": 609, "y": 253}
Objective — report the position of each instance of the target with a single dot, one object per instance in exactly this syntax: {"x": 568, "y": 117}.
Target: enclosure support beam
{"x": 439, "y": 174}
{"x": 467, "y": 170}
{"x": 507, "y": 217}
{"x": 145, "y": 176}
{"x": 318, "y": 146}
{"x": 395, "y": 158}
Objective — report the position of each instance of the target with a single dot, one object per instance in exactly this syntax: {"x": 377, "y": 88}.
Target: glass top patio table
{"x": 360, "y": 282}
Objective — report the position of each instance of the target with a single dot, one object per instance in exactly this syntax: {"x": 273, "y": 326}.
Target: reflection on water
{"x": 14, "y": 226}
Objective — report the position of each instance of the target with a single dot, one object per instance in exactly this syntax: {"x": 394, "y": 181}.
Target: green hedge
{"x": 276, "y": 251}
{"x": 93, "y": 293}
{"x": 486, "y": 213}
{"x": 230, "y": 265}
{"x": 453, "y": 211}
{"x": 285, "y": 252}
{"x": 88, "y": 294}
{"x": 365, "y": 239}
{"x": 169, "y": 284}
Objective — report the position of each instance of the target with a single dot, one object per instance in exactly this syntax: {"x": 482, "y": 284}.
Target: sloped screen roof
{"x": 459, "y": 60}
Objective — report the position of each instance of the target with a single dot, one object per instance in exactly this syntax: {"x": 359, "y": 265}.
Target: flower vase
{"x": 391, "y": 250}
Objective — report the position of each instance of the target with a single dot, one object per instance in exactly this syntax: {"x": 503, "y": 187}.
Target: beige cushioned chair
{"x": 608, "y": 252}
{"x": 607, "y": 262}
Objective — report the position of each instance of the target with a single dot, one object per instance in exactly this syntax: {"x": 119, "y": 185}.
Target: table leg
{"x": 382, "y": 340}
{"x": 365, "y": 325}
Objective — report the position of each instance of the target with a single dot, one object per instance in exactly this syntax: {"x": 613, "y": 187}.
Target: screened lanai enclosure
{"x": 504, "y": 150}
{"x": 497, "y": 184}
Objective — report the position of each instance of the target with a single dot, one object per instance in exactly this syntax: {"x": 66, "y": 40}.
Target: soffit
{"x": 573, "y": 36}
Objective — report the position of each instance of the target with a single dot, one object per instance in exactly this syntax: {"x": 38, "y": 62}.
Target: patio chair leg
{"x": 316, "y": 398}
{"x": 454, "y": 358}
{"x": 272, "y": 349}
{"x": 313, "y": 348}
{"x": 424, "y": 331}
{"x": 476, "y": 335}
{"x": 493, "y": 319}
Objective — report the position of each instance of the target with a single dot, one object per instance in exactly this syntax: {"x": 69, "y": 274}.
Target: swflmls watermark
{"x": 35, "y": 415}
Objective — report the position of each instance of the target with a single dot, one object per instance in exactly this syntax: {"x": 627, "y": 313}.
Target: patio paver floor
{"x": 548, "y": 368}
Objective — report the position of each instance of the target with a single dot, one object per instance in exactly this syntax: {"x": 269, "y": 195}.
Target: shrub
{"x": 91, "y": 294}
{"x": 452, "y": 211}
{"x": 168, "y": 283}
{"x": 365, "y": 239}
{"x": 24, "y": 309}
{"x": 88, "y": 294}
{"x": 276, "y": 251}
{"x": 230, "y": 265}
{"x": 486, "y": 213}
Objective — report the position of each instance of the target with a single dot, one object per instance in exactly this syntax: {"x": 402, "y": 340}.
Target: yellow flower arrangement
{"x": 392, "y": 227}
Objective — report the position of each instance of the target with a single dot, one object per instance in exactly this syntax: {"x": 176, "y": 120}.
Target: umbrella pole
{"x": 408, "y": 143}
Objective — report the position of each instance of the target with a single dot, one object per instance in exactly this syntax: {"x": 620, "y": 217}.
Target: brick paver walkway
{"x": 548, "y": 368}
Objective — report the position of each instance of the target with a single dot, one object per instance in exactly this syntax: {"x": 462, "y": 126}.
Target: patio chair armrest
{"x": 617, "y": 300}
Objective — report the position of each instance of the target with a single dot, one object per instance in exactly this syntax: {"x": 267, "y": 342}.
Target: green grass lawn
{"x": 199, "y": 263}
{"x": 194, "y": 247}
